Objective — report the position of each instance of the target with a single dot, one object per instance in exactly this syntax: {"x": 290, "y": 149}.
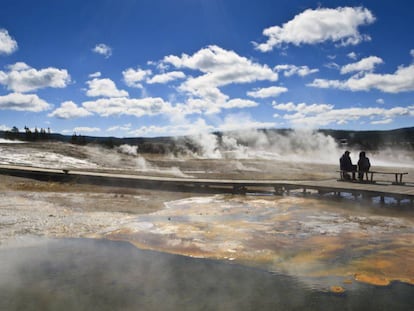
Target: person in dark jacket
{"x": 346, "y": 166}
{"x": 363, "y": 165}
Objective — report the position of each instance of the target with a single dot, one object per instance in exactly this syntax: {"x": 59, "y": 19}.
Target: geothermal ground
{"x": 328, "y": 242}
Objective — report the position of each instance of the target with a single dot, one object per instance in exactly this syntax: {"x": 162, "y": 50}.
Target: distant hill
{"x": 368, "y": 140}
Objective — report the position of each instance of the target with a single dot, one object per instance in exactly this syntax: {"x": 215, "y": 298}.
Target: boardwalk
{"x": 368, "y": 190}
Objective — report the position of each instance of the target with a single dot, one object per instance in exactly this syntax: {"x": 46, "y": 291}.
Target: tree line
{"x": 28, "y": 134}
{"x": 42, "y": 134}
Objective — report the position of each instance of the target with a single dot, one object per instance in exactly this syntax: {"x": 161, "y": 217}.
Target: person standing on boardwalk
{"x": 345, "y": 165}
{"x": 363, "y": 165}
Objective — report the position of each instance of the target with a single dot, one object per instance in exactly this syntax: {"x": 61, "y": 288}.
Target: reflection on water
{"x": 103, "y": 275}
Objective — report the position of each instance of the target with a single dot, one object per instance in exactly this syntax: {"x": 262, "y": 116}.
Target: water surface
{"x": 83, "y": 274}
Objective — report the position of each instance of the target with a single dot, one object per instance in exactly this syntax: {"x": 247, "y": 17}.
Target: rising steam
{"x": 298, "y": 146}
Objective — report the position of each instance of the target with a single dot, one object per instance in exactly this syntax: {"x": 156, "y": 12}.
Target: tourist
{"x": 363, "y": 165}
{"x": 346, "y": 166}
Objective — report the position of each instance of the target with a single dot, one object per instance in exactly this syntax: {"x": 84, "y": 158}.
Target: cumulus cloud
{"x": 105, "y": 88}
{"x": 103, "y": 49}
{"x": 7, "y": 44}
{"x": 221, "y": 67}
{"x": 400, "y": 81}
{"x": 316, "y": 115}
{"x": 212, "y": 105}
{"x": 69, "y": 110}
{"x": 19, "y": 66}
{"x": 239, "y": 103}
{"x": 290, "y": 70}
{"x": 166, "y": 77}
{"x": 412, "y": 52}
{"x": 128, "y": 106}
{"x": 365, "y": 64}
{"x": 23, "y": 78}
{"x": 272, "y": 91}
{"x": 134, "y": 77}
{"x": 338, "y": 25}
{"x": 23, "y": 102}
{"x": 218, "y": 67}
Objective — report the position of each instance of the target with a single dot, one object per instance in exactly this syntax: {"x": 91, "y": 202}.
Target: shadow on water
{"x": 82, "y": 274}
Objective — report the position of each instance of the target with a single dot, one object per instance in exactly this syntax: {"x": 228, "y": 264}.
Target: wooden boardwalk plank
{"x": 328, "y": 185}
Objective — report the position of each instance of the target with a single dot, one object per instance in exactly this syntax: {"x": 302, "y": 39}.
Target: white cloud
{"x": 19, "y": 66}
{"x": 85, "y": 129}
{"x": 134, "y": 77}
{"x": 332, "y": 65}
{"x": 166, "y": 77}
{"x": 184, "y": 128}
{"x": 242, "y": 121}
{"x": 316, "y": 115}
{"x": 199, "y": 106}
{"x": 290, "y": 70}
{"x": 213, "y": 105}
{"x": 221, "y": 67}
{"x": 320, "y": 25}
{"x": 23, "y": 102}
{"x": 325, "y": 84}
{"x": 103, "y": 49}
{"x": 154, "y": 130}
{"x": 352, "y": 55}
{"x": 7, "y": 44}
{"x": 124, "y": 128}
{"x": 23, "y": 78}
{"x": 385, "y": 121}
{"x": 365, "y": 64}
{"x": 303, "y": 108}
{"x": 412, "y": 52}
{"x": 4, "y": 128}
{"x": 232, "y": 122}
{"x": 68, "y": 110}
{"x": 95, "y": 75}
{"x": 105, "y": 88}
{"x": 380, "y": 101}
{"x": 400, "y": 81}
{"x": 272, "y": 91}
{"x": 239, "y": 103}
{"x": 218, "y": 68}
{"x": 128, "y": 106}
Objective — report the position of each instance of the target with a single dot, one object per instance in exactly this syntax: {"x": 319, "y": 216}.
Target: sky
{"x": 129, "y": 68}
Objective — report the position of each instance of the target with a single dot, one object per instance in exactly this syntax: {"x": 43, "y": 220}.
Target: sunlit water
{"x": 103, "y": 275}
{"x": 325, "y": 243}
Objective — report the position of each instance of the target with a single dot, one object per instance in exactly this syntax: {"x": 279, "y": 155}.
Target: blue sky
{"x": 163, "y": 67}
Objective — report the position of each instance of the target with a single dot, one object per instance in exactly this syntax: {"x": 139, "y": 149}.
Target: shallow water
{"x": 325, "y": 243}
{"x": 82, "y": 274}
